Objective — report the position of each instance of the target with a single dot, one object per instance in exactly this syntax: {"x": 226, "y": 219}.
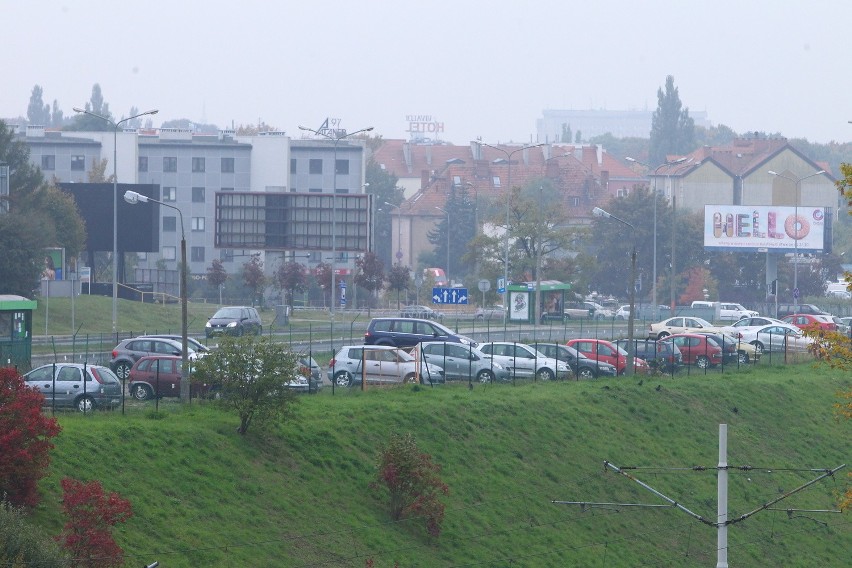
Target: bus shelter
{"x": 16, "y": 331}
{"x": 551, "y": 296}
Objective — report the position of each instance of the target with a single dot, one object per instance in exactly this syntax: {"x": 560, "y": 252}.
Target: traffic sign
{"x": 501, "y": 285}
{"x": 449, "y": 295}
{"x": 796, "y": 292}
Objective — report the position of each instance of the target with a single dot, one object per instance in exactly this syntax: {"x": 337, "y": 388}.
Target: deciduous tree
{"x": 370, "y": 273}
{"x": 412, "y": 482}
{"x": 24, "y": 544}
{"x": 252, "y": 376}
{"x": 291, "y": 277}
{"x": 38, "y": 113}
{"x": 25, "y": 439}
{"x": 91, "y": 514}
{"x": 254, "y": 278}
{"x": 399, "y": 279}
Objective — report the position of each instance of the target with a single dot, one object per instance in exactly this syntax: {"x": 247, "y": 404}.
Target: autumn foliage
{"x": 25, "y": 439}
{"x": 412, "y": 482}
{"x": 91, "y": 514}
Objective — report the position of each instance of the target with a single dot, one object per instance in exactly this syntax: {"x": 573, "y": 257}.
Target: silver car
{"x": 62, "y": 385}
{"x": 461, "y": 362}
{"x": 380, "y": 364}
{"x": 524, "y": 362}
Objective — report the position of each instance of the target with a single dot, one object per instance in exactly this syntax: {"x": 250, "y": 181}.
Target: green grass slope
{"x": 299, "y": 494}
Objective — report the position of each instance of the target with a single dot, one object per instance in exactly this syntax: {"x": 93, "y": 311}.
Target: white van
{"x": 726, "y": 311}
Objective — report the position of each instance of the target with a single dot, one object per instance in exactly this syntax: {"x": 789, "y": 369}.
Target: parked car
{"x": 779, "y": 337}
{"x": 581, "y": 366}
{"x": 844, "y": 324}
{"x": 193, "y": 343}
{"x": 603, "y": 350}
{"x": 623, "y": 312}
{"x": 235, "y": 321}
{"x": 746, "y": 324}
{"x": 495, "y": 311}
{"x": 728, "y": 311}
{"x": 159, "y": 376}
{"x": 461, "y": 362}
{"x": 422, "y": 312}
{"x": 310, "y": 369}
{"x": 524, "y": 362}
{"x": 379, "y": 364}
{"x": 810, "y": 321}
{"x": 678, "y": 324}
{"x": 790, "y": 309}
{"x": 734, "y": 349}
{"x": 597, "y": 311}
{"x": 665, "y": 357}
{"x": 63, "y": 385}
{"x": 408, "y": 332}
{"x": 697, "y": 349}
{"x": 128, "y": 351}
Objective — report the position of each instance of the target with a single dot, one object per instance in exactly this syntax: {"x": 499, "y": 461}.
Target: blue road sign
{"x": 501, "y": 285}
{"x": 449, "y": 295}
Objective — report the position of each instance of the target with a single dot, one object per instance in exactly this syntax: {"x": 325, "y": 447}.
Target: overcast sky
{"x": 484, "y": 68}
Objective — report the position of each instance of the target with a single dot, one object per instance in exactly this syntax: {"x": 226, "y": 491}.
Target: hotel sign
{"x": 420, "y": 125}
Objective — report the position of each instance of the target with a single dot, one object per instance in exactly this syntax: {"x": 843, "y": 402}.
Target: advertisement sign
{"x": 752, "y": 228}
{"x": 54, "y": 263}
{"x": 519, "y": 306}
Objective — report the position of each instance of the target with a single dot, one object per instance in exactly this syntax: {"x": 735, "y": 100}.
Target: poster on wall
{"x": 54, "y": 263}
{"x": 519, "y": 306}
{"x": 764, "y": 227}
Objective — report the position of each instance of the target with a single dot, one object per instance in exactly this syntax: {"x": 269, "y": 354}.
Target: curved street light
{"x": 631, "y": 349}
{"x": 115, "y": 126}
{"x": 336, "y": 140}
{"x": 133, "y": 198}
{"x": 798, "y": 182}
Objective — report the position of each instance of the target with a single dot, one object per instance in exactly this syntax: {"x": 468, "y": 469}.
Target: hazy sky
{"x": 484, "y": 68}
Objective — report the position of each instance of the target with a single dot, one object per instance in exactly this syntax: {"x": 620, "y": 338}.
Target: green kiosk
{"x": 552, "y": 298}
{"x": 16, "y": 331}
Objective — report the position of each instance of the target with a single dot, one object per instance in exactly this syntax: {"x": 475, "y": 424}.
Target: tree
{"x": 57, "y": 117}
{"x": 566, "y": 133}
{"x": 412, "y": 482}
{"x": 383, "y": 186}
{"x": 322, "y": 275}
{"x": 254, "y": 278}
{"x": 87, "y": 122}
{"x": 399, "y": 279}
{"x": 291, "y": 277}
{"x": 370, "y": 274}
{"x": 23, "y": 544}
{"x": 462, "y": 230}
{"x": 25, "y": 439}
{"x": 38, "y": 113}
{"x": 252, "y": 377}
{"x": 91, "y": 514}
{"x": 672, "y": 129}
{"x": 217, "y": 276}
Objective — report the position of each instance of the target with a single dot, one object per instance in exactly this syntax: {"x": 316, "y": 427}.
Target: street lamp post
{"x": 133, "y": 198}
{"x": 798, "y": 182}
{"x": 655, "y": 309}
{"x": 508, "y": 201}
{"x": 631, "y": 349}
{"x": 115, "y": 126}
{"x": 398, "y": 231}
{"x": 336, "y": 140}
{"x": 447, "y": 213}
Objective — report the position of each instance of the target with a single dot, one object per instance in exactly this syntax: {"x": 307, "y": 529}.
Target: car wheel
{"x": 663, "y": 335}
{"x": 122, "y": 370}
{"x": 742, "y": 358}
{"x": 239, "y": 331}
{"x": 485, "y": 376}
{"x": 141, "y": 392}
{"x": 410, "y": 379}
{"x": 585, "y": 373}
{"x": 544, "y": 374}
{"x": 480, "y": 317}
{"x": 343, "y": 379}
{"x": 758, "y": 346}
{"x": 85, "y": 404}
{"x": 702, "y": 362}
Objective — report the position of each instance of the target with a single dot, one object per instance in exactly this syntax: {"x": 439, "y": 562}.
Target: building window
{"x": 226, "y": 189}
{"x": 170, "y": 164}
{"x": 315, "y": 190}
{"x": 143, "y": 163}
{"x": 169, "y": 224}
{"x": 169, "y": 194}
{"x": 622, "y": 192}
{"x": 496, "y": 181}
{"x": 226, "y": 255}
{"x": 198, "y": 165}
{"x": 292, "y": 165}
{"x": 456, "y": 181}
{"x": 227, "y": 165}
{"x": 575, "y": 202}
{"x": 196, "y": 254}
{"x": 315, "y": 166}
{"x": 198, "y": 223}
{"x": 343, "y": 167}
{"x": 48, "y": 162}
{"x": 78, "y": 163}
{"x": 169, "y": 253}
{"x": 198, "y": 195}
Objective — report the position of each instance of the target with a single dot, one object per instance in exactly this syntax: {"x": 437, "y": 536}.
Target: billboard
{"x": 753, "y": 228}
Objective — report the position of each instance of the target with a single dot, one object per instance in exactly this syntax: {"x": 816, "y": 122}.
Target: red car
{"x": 700, "y": 350}
{"x": 606, "y": 351}
{"x": 810, "y": 321}
{"x": 159, "y": 375}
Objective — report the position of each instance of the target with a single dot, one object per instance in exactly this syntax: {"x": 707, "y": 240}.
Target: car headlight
{"x": 561, "y": 367}
{"x": 207, "y": 324}
{"x": 232, "y": 324}
{"x": 466, "y": 341}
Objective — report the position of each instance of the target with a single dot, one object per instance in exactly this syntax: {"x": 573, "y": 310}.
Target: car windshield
{"x": 227, "y": 313}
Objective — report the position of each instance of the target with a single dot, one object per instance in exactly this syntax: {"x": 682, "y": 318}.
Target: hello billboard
{"x": 764, "y": 227}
